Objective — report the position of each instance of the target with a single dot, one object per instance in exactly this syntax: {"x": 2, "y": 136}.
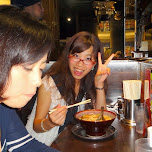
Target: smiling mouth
{"x": 78, "y": 72}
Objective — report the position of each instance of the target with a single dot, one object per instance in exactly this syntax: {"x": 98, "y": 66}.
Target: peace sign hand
{"x": 102, "y": 71}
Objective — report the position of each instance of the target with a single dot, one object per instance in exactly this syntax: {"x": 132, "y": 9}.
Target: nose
{"x": 80, "y": 62}
{"x": 37, "y": 80}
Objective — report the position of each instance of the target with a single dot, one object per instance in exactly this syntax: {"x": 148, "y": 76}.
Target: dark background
{"x": 82, "y": 14}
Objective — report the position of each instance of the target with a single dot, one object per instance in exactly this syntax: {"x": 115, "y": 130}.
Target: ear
{"x": 94, "y": 66}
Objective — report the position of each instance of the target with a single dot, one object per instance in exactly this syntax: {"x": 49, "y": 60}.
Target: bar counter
{"x": 122, "y": 141}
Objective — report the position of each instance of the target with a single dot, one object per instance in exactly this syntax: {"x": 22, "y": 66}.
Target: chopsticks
{"x": 77, "y": 104}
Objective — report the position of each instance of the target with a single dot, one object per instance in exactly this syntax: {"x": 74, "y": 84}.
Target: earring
{"x": 92, "y": 68}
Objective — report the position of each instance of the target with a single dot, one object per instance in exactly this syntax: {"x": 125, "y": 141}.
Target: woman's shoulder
{"x": 47, "y": 79}
{"x": 48, "y": 82}
{"x": 4, "y": 113}
{"x": 6, "y": 110}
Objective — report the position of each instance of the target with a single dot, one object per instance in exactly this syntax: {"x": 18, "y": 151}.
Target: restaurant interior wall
{"x": 51, "y": 17}
{"x": 137, "y": 24}
{"x": 120, "y": 15}
{"x": 120, "y": 70}
{"x": 84, "y": 16}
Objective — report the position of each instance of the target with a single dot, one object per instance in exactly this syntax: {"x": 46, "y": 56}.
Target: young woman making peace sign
{"x": 79, "y": 74}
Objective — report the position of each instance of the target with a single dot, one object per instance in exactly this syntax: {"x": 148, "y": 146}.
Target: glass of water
{"x": 139, "y": 117}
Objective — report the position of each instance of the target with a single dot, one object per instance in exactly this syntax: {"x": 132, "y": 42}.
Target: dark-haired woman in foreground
{"x": 79, "y": 74}
{"x": 24, "y": 45}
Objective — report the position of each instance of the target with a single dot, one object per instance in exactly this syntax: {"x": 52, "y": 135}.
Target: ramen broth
{"x": 94, "y": 117}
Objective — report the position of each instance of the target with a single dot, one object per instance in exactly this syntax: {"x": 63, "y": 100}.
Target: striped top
{"x": 14, "y": 136}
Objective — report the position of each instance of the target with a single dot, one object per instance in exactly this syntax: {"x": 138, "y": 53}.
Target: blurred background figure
{"x": 34, "y": 7}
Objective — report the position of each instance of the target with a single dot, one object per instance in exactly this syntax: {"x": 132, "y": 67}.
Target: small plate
{"x": 78, "y": 131}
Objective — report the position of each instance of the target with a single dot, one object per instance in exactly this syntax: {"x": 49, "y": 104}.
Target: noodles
{"x": 94, "y": 117}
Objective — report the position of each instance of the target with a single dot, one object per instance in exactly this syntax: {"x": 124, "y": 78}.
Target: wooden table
{"x": 123, "y": 141}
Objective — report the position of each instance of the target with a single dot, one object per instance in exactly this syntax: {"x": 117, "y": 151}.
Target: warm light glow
{"x": 105, "y": 36}
{"x": 5, "y": 2}
{"x": 69, "y": 19}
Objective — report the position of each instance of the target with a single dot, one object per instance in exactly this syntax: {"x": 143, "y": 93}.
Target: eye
{"x": 88, "y": 58}
{"x": 27, "y": 69}
{"x": 76, "y": 55}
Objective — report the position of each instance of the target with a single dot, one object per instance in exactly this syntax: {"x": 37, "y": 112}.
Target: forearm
{"x": 42, "y": 125}
{"x": 100, "y": 99}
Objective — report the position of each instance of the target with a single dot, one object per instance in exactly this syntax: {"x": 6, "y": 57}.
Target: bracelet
{"x": 43, "y": 126}
{"x": 100, "y": 88}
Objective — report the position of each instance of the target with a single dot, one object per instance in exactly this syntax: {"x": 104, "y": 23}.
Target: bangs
{"x": 80, "y": 45}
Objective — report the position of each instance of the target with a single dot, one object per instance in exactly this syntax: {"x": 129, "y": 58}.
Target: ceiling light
{"x": 69, "y": 19}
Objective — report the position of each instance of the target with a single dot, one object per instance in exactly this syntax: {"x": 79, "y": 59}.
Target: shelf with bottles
{"x": 104, "y": 26}
{"x": 104, "y": 30}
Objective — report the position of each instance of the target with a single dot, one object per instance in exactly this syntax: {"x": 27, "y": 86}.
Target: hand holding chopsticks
{"x": 79, "y": 103}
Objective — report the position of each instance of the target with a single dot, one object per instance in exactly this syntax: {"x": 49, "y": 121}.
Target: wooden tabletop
{"x": 122, "y": 141}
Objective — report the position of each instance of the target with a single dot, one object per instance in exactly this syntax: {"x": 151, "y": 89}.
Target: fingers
{"x": 99, "y": 58}
{"x": 102, "y": 68}
{"x": 109, "y": 59}
{"x": 106, "y": 71}
{"x": 60, "y": 110}
{"x": 58, "y": 116}
{"x": 103, "y": 71}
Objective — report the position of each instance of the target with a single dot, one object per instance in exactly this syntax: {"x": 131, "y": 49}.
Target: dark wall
{"x": 82, "y": 14}
{"x": 117, "y": 35}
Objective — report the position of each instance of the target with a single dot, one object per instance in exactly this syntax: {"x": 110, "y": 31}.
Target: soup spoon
{"x": 101, "y": 115}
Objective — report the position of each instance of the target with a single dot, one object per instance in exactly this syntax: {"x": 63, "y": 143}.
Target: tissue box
{"x": 146, "y": 46}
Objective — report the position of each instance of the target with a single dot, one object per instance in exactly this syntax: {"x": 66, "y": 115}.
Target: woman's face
{"x": 78, "y": 68}
{"x": 23, "y": 82}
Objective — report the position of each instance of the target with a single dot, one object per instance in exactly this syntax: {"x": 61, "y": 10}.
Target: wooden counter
{"x": 123, "y": 141}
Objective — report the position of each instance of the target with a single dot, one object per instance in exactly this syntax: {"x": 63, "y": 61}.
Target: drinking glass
{"x": 139, "y": 117}
{"x": 142, "y": 145}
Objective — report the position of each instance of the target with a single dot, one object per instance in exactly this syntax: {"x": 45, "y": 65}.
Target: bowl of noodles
{"x": 90, "y": 123}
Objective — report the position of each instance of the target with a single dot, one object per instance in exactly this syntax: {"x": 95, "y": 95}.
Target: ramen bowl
{"x": 95, "y": 127}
